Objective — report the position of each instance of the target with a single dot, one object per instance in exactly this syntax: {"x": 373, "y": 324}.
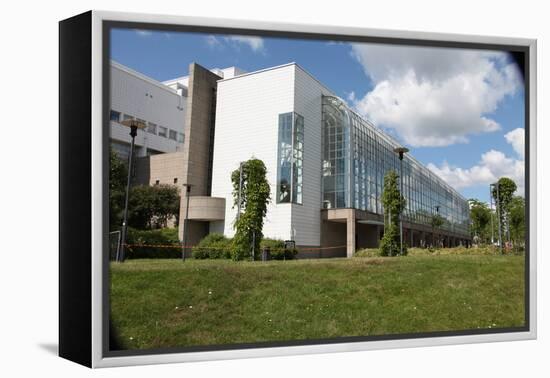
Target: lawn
{"x": 167, "y": 303}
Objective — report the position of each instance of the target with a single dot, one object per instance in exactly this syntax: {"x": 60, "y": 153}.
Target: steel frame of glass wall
{"x": 356, "y": 156}
{"x": 290, "y": 156}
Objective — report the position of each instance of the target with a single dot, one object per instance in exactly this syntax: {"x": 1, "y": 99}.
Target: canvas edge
{"x": 98, "y": 360}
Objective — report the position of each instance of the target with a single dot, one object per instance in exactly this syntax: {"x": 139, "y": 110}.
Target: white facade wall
{"x": 247, "y": 121}
{"x": 141, "y": 97}
{"x": 247, "y": 124}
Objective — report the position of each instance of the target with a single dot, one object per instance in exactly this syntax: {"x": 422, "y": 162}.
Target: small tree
{"x": 436, "y": 222}
{"x": 394, "y": 204}
{"x": 254, "y": 197}
{"x": 118, "y": 172}
{"x": 152, "y": 206}
{"x": 480, "y": 216}
{"x": 517, "y": 221}
{"x": 506, "y": 189}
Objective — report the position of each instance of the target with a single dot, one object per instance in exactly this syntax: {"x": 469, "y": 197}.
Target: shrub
{"x": 390, "y": 243}
{"x": 277, "y": 249}
{"x": 145, "y": 244}
{"x": 213, "y": 246}
{"x": 367, "y": 252}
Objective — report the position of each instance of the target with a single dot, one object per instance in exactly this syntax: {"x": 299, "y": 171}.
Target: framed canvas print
{"x": 237, "y": 189}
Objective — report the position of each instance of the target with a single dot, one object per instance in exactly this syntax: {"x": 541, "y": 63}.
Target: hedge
{"x": 277, "y": 249}
{"x": 213, "y": 246}
{"x": 145, "y": 244}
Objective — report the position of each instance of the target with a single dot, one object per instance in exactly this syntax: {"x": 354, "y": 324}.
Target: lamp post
{"x": 491, "y": 212}
{"x": 401, "y": 151}
{"x": 433, "y": 225}
{"x": 134, "y": 125}
{"x": 240, "y": 190}
{"x": 498, "y": 210}
{"x": 186, "y": 220}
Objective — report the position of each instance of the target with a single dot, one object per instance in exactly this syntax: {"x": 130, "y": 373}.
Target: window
{"x": 163, "y": 131}
{"x": 290, "y": 158}
{"x": 152, "y": 128}
{"x": 175, "y": 180}
{"x": 297, "y": 158}
{"x": 181, "y": 137}
{"x": 121, "y": 149}
{"x": 157, "y": 182}
{"x": 127, "y": 117}
{"x": 173, "y": 135}
{"x": 115, "y": 116}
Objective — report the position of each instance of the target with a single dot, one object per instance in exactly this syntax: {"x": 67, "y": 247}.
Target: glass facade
{"x": 290, "y": 158}
{"x": 336, "y": 155}
{"x": 357, "y": 155}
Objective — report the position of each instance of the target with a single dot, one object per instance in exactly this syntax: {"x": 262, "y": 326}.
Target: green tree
{"x": 506, "y": 189}
{"x": 394, "y": 204}
{"x": 436, "y": 222}
{"x": 254, "y": 195}
{"x": 118, "y": 172}
{"x": 480, "y": 216}
{"x": 517, "y": 221}
{"x": 152, "y": 206}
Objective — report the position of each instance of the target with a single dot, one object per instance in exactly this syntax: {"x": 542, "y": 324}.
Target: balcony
{"x": 203, "y": 208}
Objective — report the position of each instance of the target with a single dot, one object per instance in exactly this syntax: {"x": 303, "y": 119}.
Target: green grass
{"x": 481, "y": 250}
{"x": 167, "y": 303}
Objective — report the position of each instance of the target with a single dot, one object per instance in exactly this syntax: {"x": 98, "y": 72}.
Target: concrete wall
{"x": 199, "y": 124}
{"x": 162, "y": 168}
{"x": 333, "y": 234}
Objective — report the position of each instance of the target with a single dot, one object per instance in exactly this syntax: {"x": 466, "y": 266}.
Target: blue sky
{"x": 461, "y": 112}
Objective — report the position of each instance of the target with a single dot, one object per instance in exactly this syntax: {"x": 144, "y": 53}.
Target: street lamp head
{"x": 401, "y": 151}
{"x": 133, "y": 124}
{"x": 188, "y": 187}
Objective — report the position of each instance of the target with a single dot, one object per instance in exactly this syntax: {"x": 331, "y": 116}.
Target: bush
{"x": 367, "y": 252}
{"x": 213, "y": 246}
{"x": 277, "y": 249}
{"x": 145, "y": 244}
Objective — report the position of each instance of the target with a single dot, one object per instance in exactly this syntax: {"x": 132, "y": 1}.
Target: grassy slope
{"x": 167, "y": 303}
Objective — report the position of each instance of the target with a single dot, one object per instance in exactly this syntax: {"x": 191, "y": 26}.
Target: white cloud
{"x": 143, "y": 33}
{"x": 255, "y": 43}
{"x": 434, "y": 96}
{"x": 492, "y": 166}
{"x": 516, "y": 138}
{"x": 213, "y": 41}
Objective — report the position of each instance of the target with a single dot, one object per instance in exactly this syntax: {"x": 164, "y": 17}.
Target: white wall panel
{"x": 247, "y": 119}
{"x": 139, "y": 96}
